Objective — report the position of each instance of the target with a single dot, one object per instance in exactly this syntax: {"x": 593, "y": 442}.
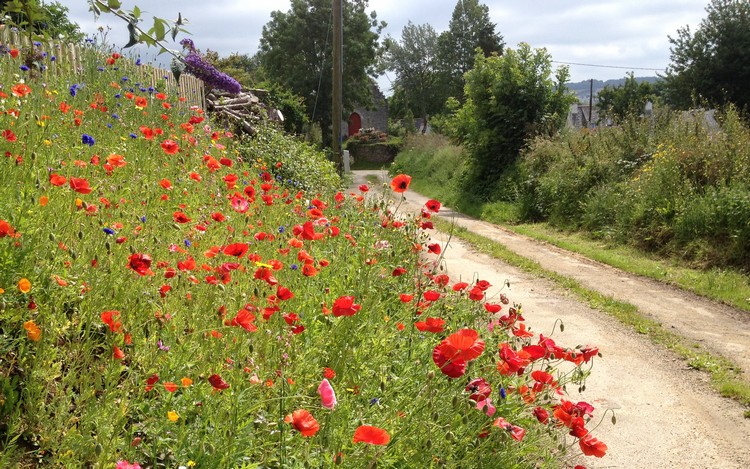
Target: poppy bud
{"x": 428, "y": 443}
{"x": 52, "y": 237}
{"x": 108, "y": 247}
{"x": 73, "y": 254}
{"x": 465, "y": 419}
{"x": 454, "y": 402}
{"x": 80, "y": 234}
{"x": 449, "y": 436}
{"x": 382, "y": 386}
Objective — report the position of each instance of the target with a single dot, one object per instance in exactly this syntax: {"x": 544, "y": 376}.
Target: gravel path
{"x": 667, "y": 417}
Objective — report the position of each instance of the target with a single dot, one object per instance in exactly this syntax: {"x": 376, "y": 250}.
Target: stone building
{"x": 375, "y": 116}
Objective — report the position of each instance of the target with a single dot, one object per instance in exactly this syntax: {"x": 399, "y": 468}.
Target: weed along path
{"x": 667, "y": 416}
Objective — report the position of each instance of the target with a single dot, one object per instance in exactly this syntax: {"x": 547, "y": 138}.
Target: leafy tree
{"x": 712, "y": 64}
{"x": 469, "y": 28}
{"x": 509, "y": 99}
{"x": 48, "y": 19}
{"x": 295, "y": 51}
{"x": 618, "y": 102}
{"x": 415, "y": 61}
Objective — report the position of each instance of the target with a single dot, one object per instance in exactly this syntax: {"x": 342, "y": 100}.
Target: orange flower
{"x": 32, "y": 331}
{"x": 117, "y": 161}
{"x": 24, "y": 285}
{"x": 20, "y": 90}
{"x": 141, "y": 102}
{"x": 304, "y": 422}
{"x": 400, "y": 183}
{"x": 371, "y": 435}
{"x": 117, "y": 354}
{"x": 186, "y": 382}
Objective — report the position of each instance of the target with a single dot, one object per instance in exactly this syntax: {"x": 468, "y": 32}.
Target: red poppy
{"x": 345, "y": 306}
{"x": 434, "y": 325}
{"x": 283, "y": 293}
{"x": 244, "y": 319}
{"x": 516, "y": 432}
{"x": 151, "y": 381}
{"x": 592, "y": 447}
{"x": 6, "y": 229}
{"x": 9, "y": 135}
{"x": 180, "y": 217}
{"x": 466, "y": 344}
{"x": 452, "y": 368}
{"x": 479, "y": 388}
{"x": 541, "y": 414}
{"x": 400, "y": 183}
{"x": 371, "y": 435}
{"x": 432, "y": 205}
{"x": 170, "y": 386}
{"x": 57, "y": 180}
{"x": 170, "y": 147}
{"x": 237, "y": 249}
{"x": 80, "y": 185}
{"x": 329, "y": 373}
{"x": 218, "y": 383}
{"x": 459, "y": 286}
{"x": 110, "y": 319}
{"x": 431, "y": 295}
{"x": 304, "y": 422}
{"x": 398, "y": 271}
{"x": 364, "y": 188}
{"x": 434, "y": 248}
{"x": 20, "y": 90}
{"x": 117, "y": 354}
{"x": 405, "y": 298}
{"x": 141, "y": 263}
{"x": 117, "y": 161}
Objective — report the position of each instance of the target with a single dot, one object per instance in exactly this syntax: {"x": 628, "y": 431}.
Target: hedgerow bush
{"x": 671, "y": 183}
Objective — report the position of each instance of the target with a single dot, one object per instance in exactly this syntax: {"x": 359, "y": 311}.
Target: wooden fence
{"x": 69, "y": 59}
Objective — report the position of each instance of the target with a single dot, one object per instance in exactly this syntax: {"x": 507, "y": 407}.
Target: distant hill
{"x": 582, "y": 88}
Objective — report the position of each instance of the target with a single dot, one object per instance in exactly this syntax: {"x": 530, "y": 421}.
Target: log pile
{"x": 245, "y": 110}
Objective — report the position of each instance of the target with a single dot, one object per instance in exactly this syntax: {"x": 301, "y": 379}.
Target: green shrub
{"x": 291, "y": 160}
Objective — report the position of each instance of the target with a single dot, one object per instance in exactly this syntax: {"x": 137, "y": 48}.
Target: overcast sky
{"x": 614, "y": 33}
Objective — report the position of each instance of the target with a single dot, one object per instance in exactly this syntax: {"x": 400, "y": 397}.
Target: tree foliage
{"x": 415, "y": 61}
{"x": 296, "y": 52}
{"x": 618, "y": 102}
{"x": 712, "y": 64}
{"x": 509, "y": 99}
{"x": 47, "y": 19}
{"x": 469, "y": 28}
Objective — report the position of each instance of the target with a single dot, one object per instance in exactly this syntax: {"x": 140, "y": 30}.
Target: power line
{"x": 608, "y": 66}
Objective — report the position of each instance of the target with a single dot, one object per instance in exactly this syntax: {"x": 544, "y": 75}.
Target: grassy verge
{"x": 725, "y": 376}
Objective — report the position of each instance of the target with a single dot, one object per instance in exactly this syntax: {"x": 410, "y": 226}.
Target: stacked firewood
{"x": 245, "y": 110}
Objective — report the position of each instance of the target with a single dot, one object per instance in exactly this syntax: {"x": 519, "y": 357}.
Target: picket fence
{"x": 68, "y": 58}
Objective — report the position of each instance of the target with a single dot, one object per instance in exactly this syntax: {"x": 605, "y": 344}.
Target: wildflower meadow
{"x": 173, "y": 296}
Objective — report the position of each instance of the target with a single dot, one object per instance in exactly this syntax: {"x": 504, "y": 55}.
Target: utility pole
{"x": 338, "y": 71}
{"x": 591, "y": 100}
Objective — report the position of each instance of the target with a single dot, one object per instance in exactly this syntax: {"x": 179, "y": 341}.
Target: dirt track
{"x": 667, "y": 417}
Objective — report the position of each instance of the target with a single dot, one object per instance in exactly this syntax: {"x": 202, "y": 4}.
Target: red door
{"x": 355, "y": 123}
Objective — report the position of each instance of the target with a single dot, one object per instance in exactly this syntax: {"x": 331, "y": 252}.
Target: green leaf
{"x": 114, "y": 4}
{"x": 159, "y": 29}
{"x": 136, "y": 13}
{"x": 134, "y": 36}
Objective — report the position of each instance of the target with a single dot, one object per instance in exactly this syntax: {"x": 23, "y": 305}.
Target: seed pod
{"x": 465, "y": 419}
{"x": 435, "y": 416}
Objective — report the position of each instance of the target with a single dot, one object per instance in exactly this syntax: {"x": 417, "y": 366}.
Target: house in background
{"x": 374, "y": 117}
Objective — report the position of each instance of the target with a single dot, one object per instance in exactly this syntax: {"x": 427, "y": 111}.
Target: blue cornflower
{"x": 118, "y": 96}
{"x": 100, "y": 69}
{"x": 282, "y": 229}
{"x": 502, "y": 393}
{"x": 374, "y": 400}
{"x": 138, "y": 61}
{"x": 109, "y": 126}
{"x": 133, "y": 136}
{"x": 124, "y": 78}
{"x": 294, "y": 267}
{"x": 115, "y": 116}
{"x": 52, "y": 58}
{"x": 87, "y": 140}
{"x": 143, "y": 219}
{"x": 188, "y": 243}
{"x": 24, "y": 68}
{"x": 109, "y": 231}
{"x": 74, "y": 89}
